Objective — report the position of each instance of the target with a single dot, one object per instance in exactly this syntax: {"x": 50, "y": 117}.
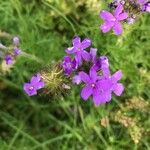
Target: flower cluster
{"x": 93, "y": 72}
{"x": 78, "y": 67}
{"x": 122, "y": 10}
{"x": 10, "y": 53}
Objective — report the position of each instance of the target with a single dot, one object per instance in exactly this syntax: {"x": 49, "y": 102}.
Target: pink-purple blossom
{"x": 8, "y": 59}
{"x": 35, "y": 84}
{"x": 78, "y": 49}
{"x": 69, "y": 65}
{"x": 113, "y": 21}
{"x": 17, "y": 51}
{"x": 100, "y": 88}
{"x": 16, "y": 41}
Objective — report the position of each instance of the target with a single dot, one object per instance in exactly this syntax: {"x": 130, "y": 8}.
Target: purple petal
{"x": 86, "y": 92}
{"x": 116, "y": 76}
{"x": 70, "y": 50}
{"x": 39, "y": 85}
{"x": 118, "y": 10}
{"x": 93, "y": 75}
{"x": 76, "y": 79}
{"x": 67, "y": 59}
{"x": 107, "y": 16}
{"x": 84, "y": 77}
{"x": 86, "y": 56}
{"x": 9, "y": 59}
{"x": 86, "y": 43}
{"x": 93, "y": 52}
{"x": 106, "y": 72}
{"x": 78, "y": 58}
{"x": 17, "y": 51}
{"x": 118, "y": 89}
{"x": 122, "y": 16}
{"x": 74, "y": 64}
{"x": 117, "y": 28}
{"x": 101, "y": 98}
{"x": 35, "y": 79}
{"x": 68, "y": 71}
{"x": 76, "y": 41}
{"x": 16, "y": 41}
{"x": 106, "y": 26}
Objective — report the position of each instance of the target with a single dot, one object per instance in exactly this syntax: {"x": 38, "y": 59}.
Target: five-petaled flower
{"x": 112, "y": 21}
{"x": 35, "y": 84}
{"x": 100, "y": 89}
{"x": 78, "y": 49}
{"x": 69, "y": 65}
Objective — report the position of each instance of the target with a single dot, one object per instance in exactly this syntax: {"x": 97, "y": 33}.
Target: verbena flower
{"x": 112, "y": 21}
{"x": 35, "y": 84}
{"x": 69, "y": 65}
{"x": 16, "y": 41}
{"x": 17, "y": 51}
{"x": 117, "y": 88}
{"x": 100, "y": 89}
{"x": 8, "y": 59}
{"x": 78, "y": 49}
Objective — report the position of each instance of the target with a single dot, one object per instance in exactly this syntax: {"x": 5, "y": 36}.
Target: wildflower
{"x": 35, "y": 84}
{"x": 16, "y": 41}
{"x": 8, "y": 59}
{"x": 17, "y": 51}
{"x": 117, "y": 88}
{"x": 69, "y": 65}
{"x": 78, "y": 49}
{"x": 112, "y": 21}
{"x": 100, "y": 89}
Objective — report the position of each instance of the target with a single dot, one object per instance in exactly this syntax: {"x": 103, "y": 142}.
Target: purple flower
{"x": 78, "y": 49}
{"x": 69, "y": 65}
{"x": 112, "y": 21}
{"x": 17, "y": 51}
{"x": 16, "y": 41}
{"x": 35, "y": 84}
{"x": 8, "y": 59}
{"x": 117, "y": 88}
{"x": 99, "y": 89}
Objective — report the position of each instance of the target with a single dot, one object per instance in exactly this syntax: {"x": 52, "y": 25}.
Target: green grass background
{"x": 46, "y": 28}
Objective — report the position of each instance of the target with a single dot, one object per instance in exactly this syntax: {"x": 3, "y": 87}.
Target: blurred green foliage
{"x": 46, "y": 28}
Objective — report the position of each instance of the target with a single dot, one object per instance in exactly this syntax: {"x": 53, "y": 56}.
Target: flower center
{"x": 69, "y": 65}
{"x": 78, "y": 48}
{"x": 31, "y": 88}
{"x": 92, "y": 85}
